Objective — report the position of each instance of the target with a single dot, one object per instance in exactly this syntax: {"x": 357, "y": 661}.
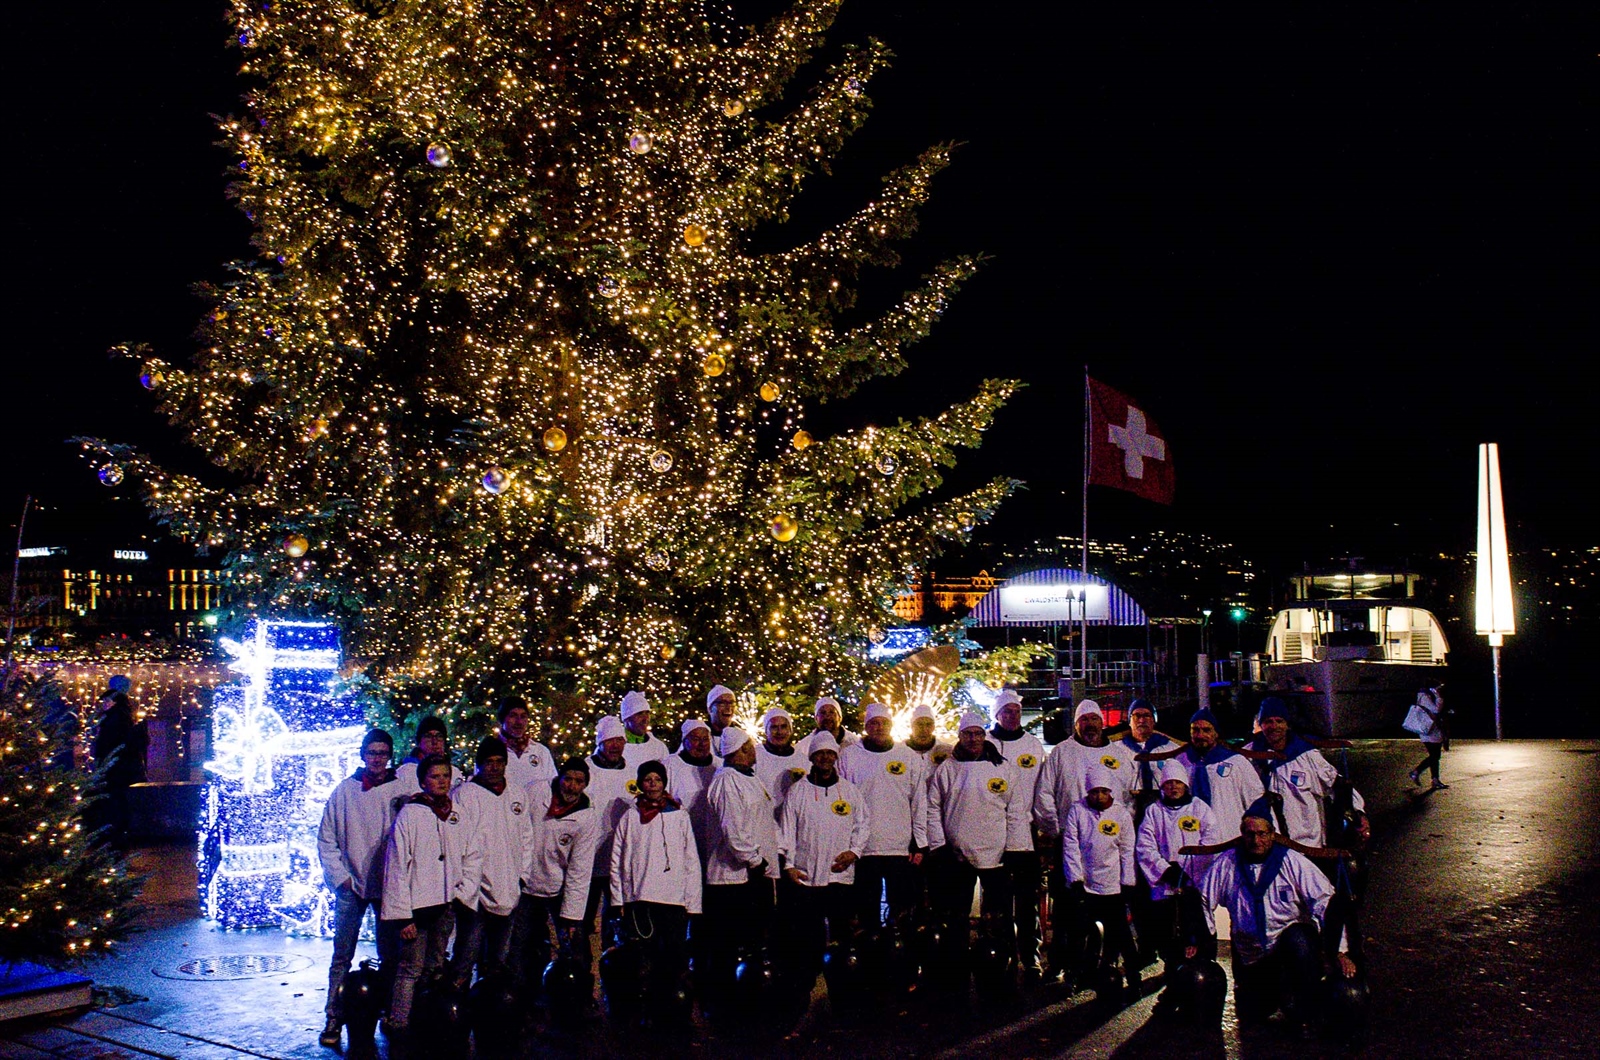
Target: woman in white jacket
{"x": 429, "y": 854}
{"x": 655, "y": 876}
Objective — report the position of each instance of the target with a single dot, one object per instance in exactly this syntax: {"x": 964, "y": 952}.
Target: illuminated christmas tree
{"x": 514, "y": 394}
{"x": 63, "y": 898}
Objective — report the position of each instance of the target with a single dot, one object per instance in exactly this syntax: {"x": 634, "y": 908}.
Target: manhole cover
{"x": 235, "y": 966}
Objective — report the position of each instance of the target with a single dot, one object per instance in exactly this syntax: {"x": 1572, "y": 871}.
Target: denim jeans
{"x": 419, "y": 956}
{"x": 348, "y": 911}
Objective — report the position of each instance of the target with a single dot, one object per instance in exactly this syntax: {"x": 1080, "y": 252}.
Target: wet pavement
{"x": 1481, "y": 935}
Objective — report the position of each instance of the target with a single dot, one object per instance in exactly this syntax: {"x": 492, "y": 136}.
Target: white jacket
{"x": 894, "y": 789}
{"x": 1299, "y": 892}
{"x": 534, "y": 763}
{"x": 611, "y": 791}
{"x": 353, "y": 835}
{"x": 637, "y": 754}
{"x": 1060, "y": 785}
{"x": 778, "y": 772}
{"x": 1304, "y": 781}
{"x": 1164, "y": 831}
{"x": 1234, "y": 786}
{"x": 425, "y": 861}
{"x": 559, "y": 854}
{"x": 971, "y": 807}
{"x": 1027, "y": 753}
{"x": 498, "y": 822}
{"x": 743, "y": 828}
{"x": 816, "y": 824}
{"x": 1097, "y": 848}
{"x": 688, "y": 783}
{"x": 655, "y": 862}
{"x": 932, "y": 756}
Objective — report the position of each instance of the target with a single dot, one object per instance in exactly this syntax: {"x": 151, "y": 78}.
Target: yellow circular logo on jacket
{"x": 797, "y": 773}
{"x": 632, "y": 787}
{"x": 841, "y": 808}
{"x": 997, "y": 785}
{"x": 1110, "y": 762}
{"x": 940, "y": 756}
{"x": 896, "y": 768}
{"x": 1189, "y": 824}
{"x": 1109, "y": 828}
{"x": 1027, "y": 761}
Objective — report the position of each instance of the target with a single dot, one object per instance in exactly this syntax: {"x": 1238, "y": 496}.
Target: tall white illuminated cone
{"x": 1496, "y": 617}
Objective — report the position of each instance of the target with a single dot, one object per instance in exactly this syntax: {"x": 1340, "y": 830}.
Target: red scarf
{"x": 440, "y": 806}
{"x": 368, "y": 781}
{"x": 648, "y": 810}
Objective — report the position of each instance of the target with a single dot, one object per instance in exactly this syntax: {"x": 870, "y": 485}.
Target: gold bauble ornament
{"x": 769, "y": 391}
{"x": 733, "y": 107}
{"x": 785, "y": 527}
{"x": 801, "y": 440}
{"x": 555, "y": 439}
{"x": 296, "y": 545}
{"x": 661, "y": 461}
{"x": 668, "y": 652}
{"x": 694, "y": 235}
{"x": 714, "y": 364}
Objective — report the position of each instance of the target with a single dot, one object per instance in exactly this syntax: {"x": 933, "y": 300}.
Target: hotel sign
{"x": 130, "y": 553}
{"x": 1054, "y": 603}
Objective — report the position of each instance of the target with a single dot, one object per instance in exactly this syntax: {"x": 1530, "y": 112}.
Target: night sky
{"x": 1330, "y": 249}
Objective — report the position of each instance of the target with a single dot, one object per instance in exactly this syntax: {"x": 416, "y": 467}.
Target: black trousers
{"x": 884, "y": 876}
{"x": 1112, "y": 913}
{"x": 735, "y": 923}
{"x": 1430, "y": 760}
{"x": 808, "y": 919}
{"x": 662, "y": 931}
{"x": 1023, "y": 872}
{"x": 1285, "y": 978}
{"x": 533, "y": 938}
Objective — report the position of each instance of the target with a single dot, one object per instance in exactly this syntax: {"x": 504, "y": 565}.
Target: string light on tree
{"x": 552, "y": 300}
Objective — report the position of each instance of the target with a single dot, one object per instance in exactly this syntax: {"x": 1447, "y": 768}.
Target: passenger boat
{"x": 1352, "y": 650}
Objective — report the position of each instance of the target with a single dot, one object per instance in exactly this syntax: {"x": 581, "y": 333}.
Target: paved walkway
{"x": 1479, "y": 932}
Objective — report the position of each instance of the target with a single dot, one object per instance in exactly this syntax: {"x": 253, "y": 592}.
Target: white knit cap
{"x": 634, "y": 703}
{"x": 1172, "y": 769}
{"x": 824, "y": 702}
{"x": 716, "y": 693}
{"x": 821, "y": 740}
{"x": 1007, "y": 697}
{"x": 1097, "y": 776}
{"x": 608, "y": 729}
{"x": 775, "y": 712}
{"x": 1088, "y": 706}
{"x": 922, "y": 710}
{"x": 972, "y": 720}
{"x": 691, "y": 725}
{"x": 732, "y": 739}
{"x": 877, "y": 710}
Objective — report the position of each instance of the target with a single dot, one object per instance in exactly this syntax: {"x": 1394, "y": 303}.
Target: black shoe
{"x": 330, "y": 1035}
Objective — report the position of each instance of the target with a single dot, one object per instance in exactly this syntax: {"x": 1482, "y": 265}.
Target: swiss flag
{"x": 1126, "y": 449}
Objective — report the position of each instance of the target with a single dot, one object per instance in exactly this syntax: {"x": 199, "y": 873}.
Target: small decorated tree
{"x": 63, "y": 897}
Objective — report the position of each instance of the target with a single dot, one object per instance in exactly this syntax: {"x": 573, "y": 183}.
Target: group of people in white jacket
{"x": 735, "y": 843}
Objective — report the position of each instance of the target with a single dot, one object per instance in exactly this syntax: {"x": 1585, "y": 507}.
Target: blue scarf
{"x": 1147, "y": 779}
{"x": 1294, "y": 748}
{"x": 1258, "y": 890}
{"x": 1202, "y": 777}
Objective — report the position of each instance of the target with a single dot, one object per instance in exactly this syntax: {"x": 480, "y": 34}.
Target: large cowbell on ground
{"x": 281, "y": 740}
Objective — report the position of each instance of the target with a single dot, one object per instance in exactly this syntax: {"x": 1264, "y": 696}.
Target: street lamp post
{"x": 1496, "y": 616}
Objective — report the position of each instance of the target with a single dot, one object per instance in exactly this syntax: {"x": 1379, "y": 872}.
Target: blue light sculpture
{"x": 282, "y": 740}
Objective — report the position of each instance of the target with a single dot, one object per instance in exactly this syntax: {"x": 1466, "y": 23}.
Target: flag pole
{"x": 1083, "y": 601}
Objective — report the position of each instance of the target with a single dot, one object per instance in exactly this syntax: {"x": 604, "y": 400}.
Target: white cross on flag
{"x": 1127, "y": 450}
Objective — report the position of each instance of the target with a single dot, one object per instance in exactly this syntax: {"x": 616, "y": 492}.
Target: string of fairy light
{"x": 510, "y": 389}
